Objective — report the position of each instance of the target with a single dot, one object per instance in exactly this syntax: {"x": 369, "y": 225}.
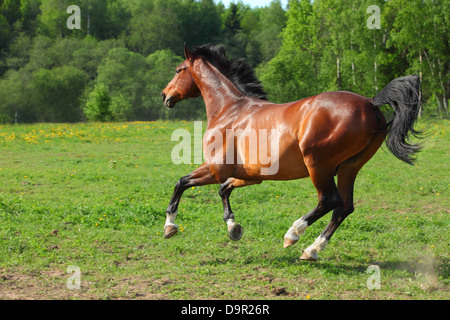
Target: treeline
{"x": 337, "y": 45}
{"x": 114, "y": 67}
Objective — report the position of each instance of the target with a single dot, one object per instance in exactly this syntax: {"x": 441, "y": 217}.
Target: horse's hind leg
{"x": 329, "y": 198}
{"x": 346, "y": 179}
{"x": 235, "y": 230}
{"x": 347, "y": 173}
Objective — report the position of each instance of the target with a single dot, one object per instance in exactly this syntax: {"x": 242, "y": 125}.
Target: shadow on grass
{"x": 289, "y": 262}
{"x": 337, "y": 266}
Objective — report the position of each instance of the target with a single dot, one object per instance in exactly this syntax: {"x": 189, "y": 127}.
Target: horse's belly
{"x": 287, "y": 164}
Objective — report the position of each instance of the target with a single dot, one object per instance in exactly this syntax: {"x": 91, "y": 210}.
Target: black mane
{"x": 236, "y": 70}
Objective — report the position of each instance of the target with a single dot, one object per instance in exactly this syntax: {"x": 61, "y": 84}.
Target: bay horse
{"x": 332, "y": 133}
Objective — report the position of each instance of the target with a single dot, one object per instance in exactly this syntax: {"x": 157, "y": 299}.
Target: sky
{"x": 252, "y": 3}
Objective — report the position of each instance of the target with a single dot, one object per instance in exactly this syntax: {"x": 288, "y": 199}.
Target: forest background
{"x": 114, "y": 67}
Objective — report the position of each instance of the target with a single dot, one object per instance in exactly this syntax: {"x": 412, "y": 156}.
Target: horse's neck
{"x": 218, "y": 92}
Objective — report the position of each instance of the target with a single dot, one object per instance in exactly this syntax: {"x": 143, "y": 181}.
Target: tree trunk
{"x": 375, "y": 80}
{"x": 439, "y": 108}
{"x": 88, "y": 20}
{"x": 338, "y": 73}
{"x": 420, "y": 78}
{"x": 444, "y": 93}
{"x": 353, "y": 63}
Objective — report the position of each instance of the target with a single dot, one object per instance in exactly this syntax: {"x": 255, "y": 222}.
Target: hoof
{"x": 289, "y": 242}
{"x": 235, "y": 232}
{"x": 306, "y": 256}
{"x": 170, "y": 231}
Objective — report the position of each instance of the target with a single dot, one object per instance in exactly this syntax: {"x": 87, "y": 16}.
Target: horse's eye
{"x": 178, "y": 70}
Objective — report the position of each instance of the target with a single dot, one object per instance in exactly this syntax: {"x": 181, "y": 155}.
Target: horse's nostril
{"x": 163, "y": 96}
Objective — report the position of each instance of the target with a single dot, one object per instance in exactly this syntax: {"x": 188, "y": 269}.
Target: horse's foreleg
{"x": 198, "y": 177}
{"x": 235, "y": 230}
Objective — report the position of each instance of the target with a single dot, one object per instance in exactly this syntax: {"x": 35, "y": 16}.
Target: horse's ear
{"x": 187, "y": 53}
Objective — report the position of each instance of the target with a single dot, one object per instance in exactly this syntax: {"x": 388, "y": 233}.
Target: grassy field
{"x": 94, "y": 196}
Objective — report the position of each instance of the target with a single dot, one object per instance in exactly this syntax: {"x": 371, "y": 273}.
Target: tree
{"x": 29, "y": 10}
{"x": 19, "y": 52}
{"x": 420, "y": 32}
{"x": 10, "y": 10}
{"x": 326, "y": 45}
{"x": 200, "y": 23}
{"x": 124, "y": 73}
{"x": 53, "y": 19}
{"x": 132, "y": 47}
{"x": 4, "y": 34}
{"x": 98, "y": 104}
{"x": 232, "y": 19}
{"x": 121, "y": 108}
{"x": 57, "y": 93}
{"x": 234, "y": 37}
{"x": 155, "y": 25}
{"x": 17, "y": 95}
{"x": 293, "y": 73}
{"x": 271, "y": 22}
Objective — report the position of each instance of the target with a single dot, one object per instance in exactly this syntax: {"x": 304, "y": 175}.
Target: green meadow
{"x": 93, "y": 195}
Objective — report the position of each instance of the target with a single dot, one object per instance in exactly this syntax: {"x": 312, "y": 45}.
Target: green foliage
{"x": 135, "y": 83}
{"x": 98, "y": 104}
{"x": 253, "y": 33}
{"x": 44, "y": 94}
{"x": 102, "y": 19}
{"x": 120, "y": 108}
{"x": 10, "y": 9}
{"x": 201, "y": 23}
{"x": 14, "y": 90}
{"x": 57, "y": 93}
{"x": 420, "y": 33}
{"x": 326, "y": 45}
{"x": 4, "y": 33}
{"x": 292, "y": 74}
{"x": 133, "y": 46}
{"x": 155, "y": 25}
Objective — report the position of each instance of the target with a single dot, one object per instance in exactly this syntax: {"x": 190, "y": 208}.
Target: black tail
{"x": 403, "y": 95}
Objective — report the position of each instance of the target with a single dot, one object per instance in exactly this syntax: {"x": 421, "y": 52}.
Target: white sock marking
{"x": 230, "y": 222}
{"x": 170, "y": 219}
{"x": 297, "y": 229}
{"x": 317, "y": 246}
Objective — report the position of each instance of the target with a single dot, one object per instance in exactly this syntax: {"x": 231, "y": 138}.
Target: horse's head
{"x": 182, "y": 86}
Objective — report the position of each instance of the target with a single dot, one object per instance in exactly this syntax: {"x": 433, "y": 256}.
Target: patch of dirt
{"x": 280, "y": 291}
{"x": 52, "y": 285}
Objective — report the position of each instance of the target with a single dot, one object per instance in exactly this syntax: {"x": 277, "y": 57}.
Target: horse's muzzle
{"x": 168, "y": 101}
